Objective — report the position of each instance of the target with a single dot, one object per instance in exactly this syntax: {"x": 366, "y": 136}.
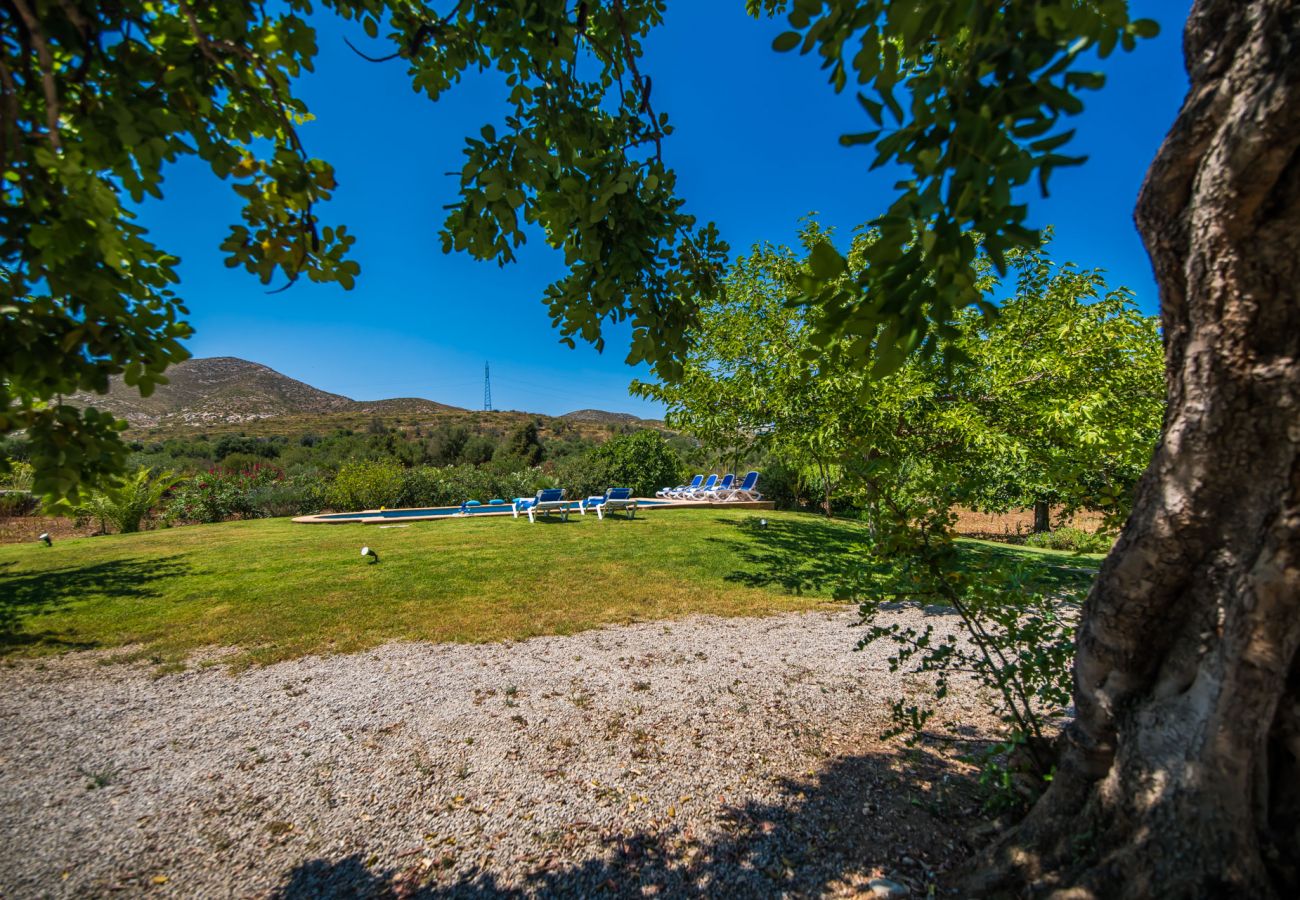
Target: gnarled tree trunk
{"x": 1180, "y": 776}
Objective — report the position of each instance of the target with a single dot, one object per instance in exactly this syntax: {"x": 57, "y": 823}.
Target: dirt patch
{"x": 24, "y": 529}
{"x": 1010, "y": 526}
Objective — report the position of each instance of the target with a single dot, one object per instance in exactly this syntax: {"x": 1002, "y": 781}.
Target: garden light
{"x": 374, "y": 557}
{"x": 45, "y": 539}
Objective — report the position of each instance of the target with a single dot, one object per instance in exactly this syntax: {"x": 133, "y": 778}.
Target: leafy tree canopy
{"x": 98, "y": 98}
{"x": 1058, "y": 397}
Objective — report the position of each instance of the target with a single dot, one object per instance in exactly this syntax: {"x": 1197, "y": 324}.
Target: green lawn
{"x": 277, "y": 590}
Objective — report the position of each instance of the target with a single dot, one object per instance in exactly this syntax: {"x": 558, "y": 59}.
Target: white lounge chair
{"x": 698, "y": 493}
{"x": 671, "y": 492}
{"x": 614, "y": 498}
{"x": 721, "y": 491}
{"x": 746, "y": 490}
{"x": 547, "y": 501}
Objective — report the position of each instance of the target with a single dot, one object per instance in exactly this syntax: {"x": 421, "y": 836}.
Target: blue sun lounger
{"x": 721, "y": 492}
{"x": 614, "y": 498}
{"x": 746, "y": 490}
{"x": 546, "y": 502}
{"x": 698, "y": 493}
{"x": 675, "y": 491}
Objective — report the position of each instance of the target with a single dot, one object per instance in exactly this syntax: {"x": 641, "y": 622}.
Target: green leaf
{"x": 826, "y": 262}
{"x": 786, "y": 41}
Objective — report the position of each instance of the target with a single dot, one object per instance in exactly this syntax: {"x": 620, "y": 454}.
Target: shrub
{"x": 240, "y": 462}
{"x": 366, "y": 485}
{"x": 19, "y": 477}
{"x": 17, "y": 503}
{"x": 299, "y": 496}
{"x": 782, "y": 483}
{"x": 642, "y": 461}
{"x": 583, "y": 475}
{"x": 1018, "y": 639}
{"x": 124, "y": 505}
{"x": 216, "y": 495}
{"x": 1070, "y": 538}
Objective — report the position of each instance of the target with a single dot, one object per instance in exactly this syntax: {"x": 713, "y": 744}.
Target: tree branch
{"x": 37, "y": 36}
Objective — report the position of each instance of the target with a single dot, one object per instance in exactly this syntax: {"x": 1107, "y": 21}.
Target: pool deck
{"x": 652, "y": 503}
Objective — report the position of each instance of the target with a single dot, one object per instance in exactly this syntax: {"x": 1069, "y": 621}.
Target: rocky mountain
{"x": 223, "y": 389}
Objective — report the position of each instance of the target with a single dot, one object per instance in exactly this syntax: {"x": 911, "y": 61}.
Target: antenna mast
{"x": 487, "y": 389}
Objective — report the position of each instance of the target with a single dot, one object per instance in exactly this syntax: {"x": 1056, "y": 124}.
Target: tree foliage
{"x": 984, "y": 87}
{"x": 642, "y": 461}
{"x": 1058, "y": 397}
{"x": 98, "y": 98}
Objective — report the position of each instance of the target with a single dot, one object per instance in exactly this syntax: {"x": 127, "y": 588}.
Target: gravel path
{"x": 705, "y": 756}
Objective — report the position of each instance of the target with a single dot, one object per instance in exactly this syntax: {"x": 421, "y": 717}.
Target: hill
{"x": 603, "y": 417}
{"x": 227, "y": 394}
{"x": 227, "y": 390}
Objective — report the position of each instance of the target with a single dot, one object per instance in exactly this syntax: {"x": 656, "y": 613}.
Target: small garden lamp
{"x": 45, "y": 539}
{"x": 374, "y": 557}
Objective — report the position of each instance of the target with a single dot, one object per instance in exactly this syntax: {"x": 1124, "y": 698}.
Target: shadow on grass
{"x": 1051, "y": 572}
{"x": 813, "y": 555}
{"x": 26, "y": 595}
{"x": 798, "y": 555}
{"x": 858, "y": 813}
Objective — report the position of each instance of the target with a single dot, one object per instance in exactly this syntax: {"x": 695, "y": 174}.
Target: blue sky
{"x": 755, "y": 150}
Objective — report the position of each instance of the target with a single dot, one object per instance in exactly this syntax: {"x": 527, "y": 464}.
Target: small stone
{"x": 888, "y": 890}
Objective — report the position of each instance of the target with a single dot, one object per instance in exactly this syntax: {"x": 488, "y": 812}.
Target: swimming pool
{"x": 438, "y": 512}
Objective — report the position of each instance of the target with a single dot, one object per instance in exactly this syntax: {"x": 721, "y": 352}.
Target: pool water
{"x": 434, "y": 511}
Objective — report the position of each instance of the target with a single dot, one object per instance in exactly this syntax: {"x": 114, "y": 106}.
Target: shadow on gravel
{"x": 828, "y": 834}
{"x": 805, "y": 555}
{"x": 29, "y": 594}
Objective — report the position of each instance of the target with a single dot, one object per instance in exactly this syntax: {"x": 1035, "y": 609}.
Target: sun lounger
{"x": 746, "y": 490}
{"x": 721, "y": 491}
{"x": 546, "y": 502}
{"x": 614, "y": 498}
{"x": 696, "y": 494}
{"x": 675, "y": 491}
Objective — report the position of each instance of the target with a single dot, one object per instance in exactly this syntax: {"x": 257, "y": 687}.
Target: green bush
{"x": 453, "y": 485}
{"x": 366, "y": 485}
{"x": 17, "y": 503}
{"x": 1069, "y": 538}
{"x": 299, "y": 496}
{"x": 217, "y": 495}
{"x": 642, "y": 461}
{"x": 18, "y": 477}
{"x": 124, "y": 505}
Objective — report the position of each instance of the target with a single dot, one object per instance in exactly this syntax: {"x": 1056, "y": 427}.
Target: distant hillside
{"x": 224, "y": 389}
{"x": 603, "y": 417}
{"x": 225, "y": 394}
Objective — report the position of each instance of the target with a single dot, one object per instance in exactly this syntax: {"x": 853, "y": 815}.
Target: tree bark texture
{"x": 1180, "y": 775}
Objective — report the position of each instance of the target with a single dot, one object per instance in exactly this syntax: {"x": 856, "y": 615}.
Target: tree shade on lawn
{"x": 275, "y": 590}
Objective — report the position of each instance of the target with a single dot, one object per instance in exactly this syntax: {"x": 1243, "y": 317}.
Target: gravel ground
{"x": 710, "y": 756}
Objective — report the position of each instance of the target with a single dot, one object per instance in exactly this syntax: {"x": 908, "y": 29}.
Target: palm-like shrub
{"x": 125, "y": 505}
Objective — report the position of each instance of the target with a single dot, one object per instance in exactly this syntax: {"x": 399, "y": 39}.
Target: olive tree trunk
{"x": 1180, "y": 776}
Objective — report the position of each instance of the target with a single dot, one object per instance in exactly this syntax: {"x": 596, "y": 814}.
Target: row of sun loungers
{"x": 551, "y": 500}
{"x": 715, "y": 489}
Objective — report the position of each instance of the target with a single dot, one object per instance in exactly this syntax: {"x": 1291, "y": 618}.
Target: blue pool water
{"x": 433, "y": 511}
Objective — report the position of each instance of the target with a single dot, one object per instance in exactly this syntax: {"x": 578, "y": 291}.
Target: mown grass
{"x": 276, "y": 590}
